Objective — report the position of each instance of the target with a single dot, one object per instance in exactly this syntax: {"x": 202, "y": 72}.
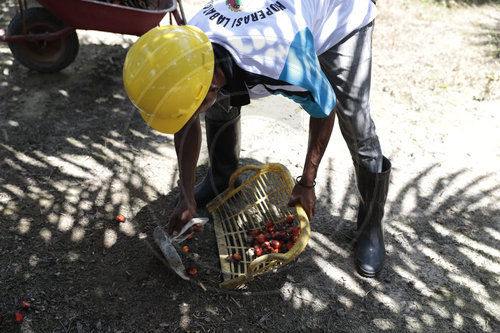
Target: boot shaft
{"x": 370, "y": 245}
{"x": 373, "y": 188}
{"x": 224, "y": 145}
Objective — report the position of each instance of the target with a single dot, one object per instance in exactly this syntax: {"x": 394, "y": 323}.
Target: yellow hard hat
{"x": 167, "y": 74}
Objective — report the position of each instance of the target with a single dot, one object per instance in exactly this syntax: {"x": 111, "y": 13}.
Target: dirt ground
{"x": 74, "y": 153}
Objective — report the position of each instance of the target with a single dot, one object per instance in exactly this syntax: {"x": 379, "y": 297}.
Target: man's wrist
{"x": 299, "y": 181}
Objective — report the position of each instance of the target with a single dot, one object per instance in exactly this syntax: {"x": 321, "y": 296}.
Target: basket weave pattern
{"x": 262, "y": 197}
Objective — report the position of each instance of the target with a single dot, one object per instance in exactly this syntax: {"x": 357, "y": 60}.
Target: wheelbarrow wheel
{"x": 45, "y": 56}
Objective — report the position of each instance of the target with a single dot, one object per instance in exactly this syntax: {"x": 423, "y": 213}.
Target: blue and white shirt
{"x": 276, "y": 44}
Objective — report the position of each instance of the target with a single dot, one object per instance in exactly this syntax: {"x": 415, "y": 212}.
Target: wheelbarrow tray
{"x": 102, "y": 16}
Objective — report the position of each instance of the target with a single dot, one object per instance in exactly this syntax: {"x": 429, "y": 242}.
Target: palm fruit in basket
{"x": 254, "y": 222}
{"x": 274, "y": 238}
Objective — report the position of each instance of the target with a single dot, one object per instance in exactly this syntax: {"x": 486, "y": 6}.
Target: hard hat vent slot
{"x": 200, "y": 93}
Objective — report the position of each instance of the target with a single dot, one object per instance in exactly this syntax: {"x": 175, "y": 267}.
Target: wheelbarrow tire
{"x": 46, "y": 56}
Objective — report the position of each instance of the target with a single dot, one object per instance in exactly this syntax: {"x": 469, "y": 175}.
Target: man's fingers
{"x": 170, "y": 228}
{"x": 198, "y": 227}
{"x": 310, "y": 213}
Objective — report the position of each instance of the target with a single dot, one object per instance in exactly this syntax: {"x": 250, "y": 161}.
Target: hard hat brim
{"x": 167, "y": 125}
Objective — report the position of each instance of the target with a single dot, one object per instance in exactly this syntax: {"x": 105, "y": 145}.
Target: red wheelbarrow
{"x": 45, "y": 39}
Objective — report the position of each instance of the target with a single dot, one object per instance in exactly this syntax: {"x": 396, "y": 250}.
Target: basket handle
{"x": 217, "y": 201}
{"x": 232, "y": 180}
{"x": 254, "y": 265}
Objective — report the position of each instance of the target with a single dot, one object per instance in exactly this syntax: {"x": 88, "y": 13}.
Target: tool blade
{"x": 170, "y": 253}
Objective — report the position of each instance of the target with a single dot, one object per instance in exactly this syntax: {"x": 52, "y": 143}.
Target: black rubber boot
{"x": 224, "y": 141}
{"x": 370, "y": 248}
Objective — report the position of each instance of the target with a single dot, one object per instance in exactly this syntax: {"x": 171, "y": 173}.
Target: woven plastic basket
{"x": 262, "y": 197}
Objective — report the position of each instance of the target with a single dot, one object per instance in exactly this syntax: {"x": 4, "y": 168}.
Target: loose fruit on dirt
{"x": 25, "y": 305}
{"x": 192, "y": 271}
{"x": 120, "y": 218}
{"x": 18, "y": 317}
{"x": 185, "y": 249}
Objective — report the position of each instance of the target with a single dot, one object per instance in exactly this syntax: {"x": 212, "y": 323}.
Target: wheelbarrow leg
{"x": 182, "y": 19}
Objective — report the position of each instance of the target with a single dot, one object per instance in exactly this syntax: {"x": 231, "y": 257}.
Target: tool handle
{"x": 193, "y": 221}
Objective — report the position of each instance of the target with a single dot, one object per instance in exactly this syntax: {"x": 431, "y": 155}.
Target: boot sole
{"x": 367, "y": 274}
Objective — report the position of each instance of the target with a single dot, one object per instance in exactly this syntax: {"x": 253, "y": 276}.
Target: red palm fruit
{"x": 283, "y": 248}
{"x": 120, "y": 218}
{"x": 261, "y": 238}
{"x": 269, "y": 224}
{"x": 289, "y": 219}
{"x": 276, "y": 235}
{"x": 289, "y": 246}
{"x": 257, "y": 251}
{"x": 18, "y": 317}
{"x": 236, "y": 257}
{"x": 275, "y": 244}
{"x": 254, "y": 233}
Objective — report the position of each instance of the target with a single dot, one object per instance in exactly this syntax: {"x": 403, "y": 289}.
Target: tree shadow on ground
{"x": 67, "y": 172}
{"x": 441, "y": 270}
{"x": 74, "y": 153}
{"x": 490, "y": 37}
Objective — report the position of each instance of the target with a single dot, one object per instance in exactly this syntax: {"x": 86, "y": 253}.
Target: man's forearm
{"x": 320, "y": 130}
{"x": 187, "y": 147}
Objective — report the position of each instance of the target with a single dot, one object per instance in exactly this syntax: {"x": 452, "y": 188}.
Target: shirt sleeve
{"x": 302, "y": 68}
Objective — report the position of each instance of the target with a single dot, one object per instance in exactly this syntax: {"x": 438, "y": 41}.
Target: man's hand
{"x": 183, "y": 213}
{"x": 305, "y": 197}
